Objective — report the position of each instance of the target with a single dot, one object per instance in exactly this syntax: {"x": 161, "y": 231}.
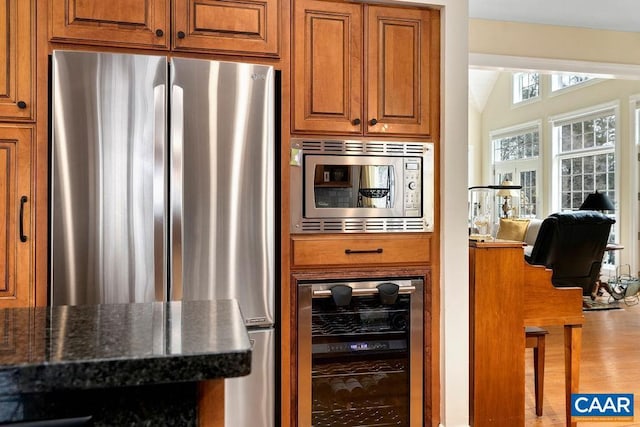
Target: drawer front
{"x": 365, "y": 250}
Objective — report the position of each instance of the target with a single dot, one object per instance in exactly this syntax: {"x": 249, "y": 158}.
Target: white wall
{"x": 475, "y": 147}
{"x": 454, "y": 255}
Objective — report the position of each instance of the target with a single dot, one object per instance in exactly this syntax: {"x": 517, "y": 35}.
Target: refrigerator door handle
{"x": 175, "y": 209}
{"x": 159, "y": 191}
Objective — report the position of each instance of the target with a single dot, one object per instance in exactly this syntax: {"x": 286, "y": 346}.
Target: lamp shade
{"x": 507, "y": 189}
{"x": 597, "y": 202}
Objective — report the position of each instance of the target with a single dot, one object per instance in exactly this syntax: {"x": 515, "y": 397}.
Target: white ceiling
{"x": 618, "y": 15}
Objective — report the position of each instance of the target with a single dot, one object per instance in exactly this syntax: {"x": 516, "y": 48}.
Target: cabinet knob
{"x": 22, "y": 105}
{"x": 159, "y": 32}
{"x": 181, "y": 34}
{"x": 355, "y": 122}
{"x": 373, "y": 122}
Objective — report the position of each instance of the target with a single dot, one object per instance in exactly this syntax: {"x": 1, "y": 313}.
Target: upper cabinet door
{"x": 17, "y": 59}
{"x": 402, "y": 70}
{"x": 16, "y": 233}
{"x": 245, "y": 27}
{"x": 137, "y": 23}
{"x": 327, "y": 67}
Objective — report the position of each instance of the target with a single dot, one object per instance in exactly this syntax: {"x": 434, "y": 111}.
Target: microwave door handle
{"x": 392, "y": 185}
{"x": 361, "y": 292}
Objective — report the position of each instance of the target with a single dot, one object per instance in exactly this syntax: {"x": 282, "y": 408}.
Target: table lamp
{"x": 597, "y": 202}
{"x": 507, "y": 194}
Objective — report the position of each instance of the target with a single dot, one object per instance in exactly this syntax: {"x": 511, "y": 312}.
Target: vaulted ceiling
{"x": 616, "y": 15}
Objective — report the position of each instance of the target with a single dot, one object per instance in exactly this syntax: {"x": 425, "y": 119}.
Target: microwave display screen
{"x": 353, "y": 186}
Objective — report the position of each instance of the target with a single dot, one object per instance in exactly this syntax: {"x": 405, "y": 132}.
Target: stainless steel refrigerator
{"x": 163, "y": 188}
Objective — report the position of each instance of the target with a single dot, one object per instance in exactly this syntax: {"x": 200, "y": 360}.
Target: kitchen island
{"x": 120, "y": 364}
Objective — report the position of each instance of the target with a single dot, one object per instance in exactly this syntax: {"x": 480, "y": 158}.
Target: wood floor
{"x": 610, "y": 363}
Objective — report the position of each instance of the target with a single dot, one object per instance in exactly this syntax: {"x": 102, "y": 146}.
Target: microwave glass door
{"x": 353, "y": 186}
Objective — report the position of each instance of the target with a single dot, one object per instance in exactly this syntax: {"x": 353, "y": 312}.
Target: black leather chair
{"x": 572, "y": 245}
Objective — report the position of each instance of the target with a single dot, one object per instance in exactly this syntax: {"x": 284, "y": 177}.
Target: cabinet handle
{"x": 356, "y": 122}
{"x": 23, "y": 200}
{"x": 373, "y": 122}
{"x": 365, "y": 251}
{"x": 181, "y": 34}
{"x": 22, "y": 105}
{"x": 159, "y": 32}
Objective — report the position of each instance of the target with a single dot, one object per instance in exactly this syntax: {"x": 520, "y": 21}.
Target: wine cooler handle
{"x": 365, "y": 251}
{"x": 23, "y": 237}
{"x": 360, "y": 292}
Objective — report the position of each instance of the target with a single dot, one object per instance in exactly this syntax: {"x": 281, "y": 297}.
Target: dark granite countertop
{"x": 117, "y": 345}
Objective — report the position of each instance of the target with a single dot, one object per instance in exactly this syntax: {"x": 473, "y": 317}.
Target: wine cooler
{"x": 360, "y": 353}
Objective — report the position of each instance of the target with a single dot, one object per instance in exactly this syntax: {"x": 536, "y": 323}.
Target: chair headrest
{"x": 582, "y": 217}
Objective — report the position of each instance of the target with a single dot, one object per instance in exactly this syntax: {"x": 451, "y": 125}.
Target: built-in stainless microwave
{"x": 361, "y": 186}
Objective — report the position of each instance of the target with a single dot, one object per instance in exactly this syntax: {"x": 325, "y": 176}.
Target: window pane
{"x": 561, "y": 81}
{"x": 588, "y": 184}
{"x": 516, "y": 147}
{"x": 525, "y": 86}
{"x": 566, "y": 138}
{"x": 577, "y": 184}
{"x": 528, "y": 194}
{"x": 588, "y": 164}
{"x": 576, "y": 166}
{"x": 588, "y": 140}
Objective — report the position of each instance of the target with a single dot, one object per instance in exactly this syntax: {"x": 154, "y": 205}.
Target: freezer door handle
{"x": 175, "y": 210}
{"x": 159, "y": 190}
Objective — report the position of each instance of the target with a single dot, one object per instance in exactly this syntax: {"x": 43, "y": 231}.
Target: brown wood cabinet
{"x": 243, "y": 27}
{"x": 362, "y": 69}
{"x": 15, "y": 212}
{"x": 141, "y": 24}
{"x": 312, "y": 251}
{"x": 17, "y": 80}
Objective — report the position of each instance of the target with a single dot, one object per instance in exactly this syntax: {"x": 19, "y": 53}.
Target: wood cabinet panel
{"x": 245, "y": 27}
{"x": 17, "y": 79}
{"x": 341, "y": 250}
{"x": 399, "y": 71}
{"x": 497, "y": 339}
{"x": 327, "y": 67}
{"x": 362, "y": 69}
{"x": 15, "y": 213}
{"x": 142, "y": 24}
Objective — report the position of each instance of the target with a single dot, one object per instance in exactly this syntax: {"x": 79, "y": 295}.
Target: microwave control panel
{"x": 412, "y": 178}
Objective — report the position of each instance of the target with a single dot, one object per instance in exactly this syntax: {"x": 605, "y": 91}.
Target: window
{"x": 526, "y": 86}
{"x": 516, "y": 154}
{"x": 562, "y": 81}
{"x": 585, "y": 160}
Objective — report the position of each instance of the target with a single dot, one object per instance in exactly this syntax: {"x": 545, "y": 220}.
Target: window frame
{"x": 514, "y": 167}
{"x": 556, "y": 122}
{"x": 516, "y": 76}
{"x": 557, "y": 91}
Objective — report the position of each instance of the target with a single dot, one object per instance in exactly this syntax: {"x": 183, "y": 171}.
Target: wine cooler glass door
{"x": 360, "y": 359}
